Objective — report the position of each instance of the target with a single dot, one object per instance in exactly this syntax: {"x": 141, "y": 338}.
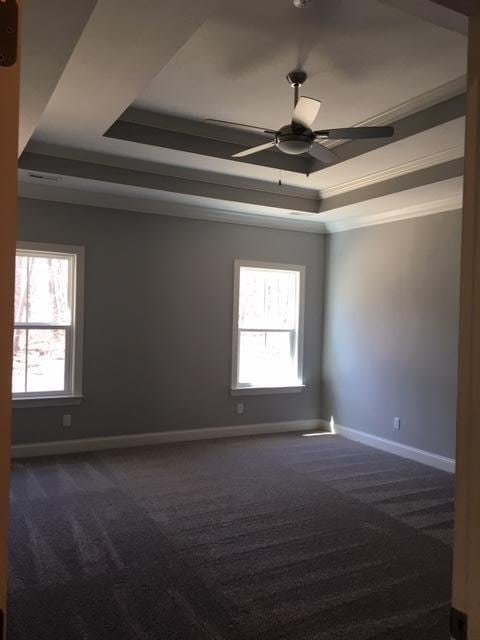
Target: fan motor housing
{"x": 294, "y": 143}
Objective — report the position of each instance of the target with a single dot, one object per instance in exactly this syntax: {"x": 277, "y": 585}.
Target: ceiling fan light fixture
{"x": 293, "y": 144}
{"x": 298, "y": 137}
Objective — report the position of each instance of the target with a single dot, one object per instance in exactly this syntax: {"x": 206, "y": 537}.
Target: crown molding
{"x": 451, "y": 203}
{"x": 263, "y": 185}
{"x": 291, "y": 221}
{"x": 276, "y": 198}
{"x": 444, "y": 92}
{"x": 425, "y": 162}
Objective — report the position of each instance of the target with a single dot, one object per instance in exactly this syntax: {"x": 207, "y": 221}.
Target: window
{"x": 47, "y": 341}
{"x": 267, "y": 327}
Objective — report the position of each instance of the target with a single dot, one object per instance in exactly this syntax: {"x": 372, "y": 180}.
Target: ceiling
{"x": 114, "y": 107}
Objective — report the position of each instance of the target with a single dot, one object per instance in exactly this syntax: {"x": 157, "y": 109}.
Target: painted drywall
{"x": 158, "y": 321}
{"x": 391, "y": 330}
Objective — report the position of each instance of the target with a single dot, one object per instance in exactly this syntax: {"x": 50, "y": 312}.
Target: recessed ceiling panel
{"x": 362, "y": 58}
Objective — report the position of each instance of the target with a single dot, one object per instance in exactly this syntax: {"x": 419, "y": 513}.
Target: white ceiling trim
{"x": 451, "y": 203}
{"x": 409, "y": 107}
{"x": 289, "y": 221}
{"x": 439, "y": 157}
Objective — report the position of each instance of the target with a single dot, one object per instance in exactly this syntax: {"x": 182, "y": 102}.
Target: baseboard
{"x": 403, "y": 450}
{"x": 144, "y": 439}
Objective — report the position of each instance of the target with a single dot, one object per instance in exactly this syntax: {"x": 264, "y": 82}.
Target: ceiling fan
{"x": 297, "y": 137}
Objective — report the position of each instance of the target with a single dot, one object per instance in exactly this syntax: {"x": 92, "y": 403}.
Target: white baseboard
{"x": 211, "y": 433}
{"x": 403, "y": 450}
{"x": 144, "y": 439}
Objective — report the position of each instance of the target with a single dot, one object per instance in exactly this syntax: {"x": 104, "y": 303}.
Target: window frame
{"x": 238, "y": 388}
{"x": 72, "y": 392}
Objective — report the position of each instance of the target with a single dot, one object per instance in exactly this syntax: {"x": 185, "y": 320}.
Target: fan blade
{"x": 239, "y": 124}
{"x": 249, "y": 152}
{"x": 322, "y": 153}
{"x": 355, "y": 133}
{"x": 306, "y": 111}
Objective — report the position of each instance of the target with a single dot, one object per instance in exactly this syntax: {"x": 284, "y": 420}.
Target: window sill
{"x": 46, "y": 401}
{"x": 265, "y": 391}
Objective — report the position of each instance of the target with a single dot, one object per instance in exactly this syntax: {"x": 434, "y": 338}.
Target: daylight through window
{"x": 45, "y": 341}
{"x": 269, "y": 323}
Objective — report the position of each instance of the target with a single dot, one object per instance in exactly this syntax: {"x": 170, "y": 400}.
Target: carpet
{"x": 278, "y": 537}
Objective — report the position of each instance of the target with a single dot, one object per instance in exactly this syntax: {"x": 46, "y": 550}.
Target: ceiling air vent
{"x": 39, "y": 176}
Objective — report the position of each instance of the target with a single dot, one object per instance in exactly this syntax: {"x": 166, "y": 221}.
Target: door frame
{"x": 9, "y": 118}
{"x": 466, "y": 566}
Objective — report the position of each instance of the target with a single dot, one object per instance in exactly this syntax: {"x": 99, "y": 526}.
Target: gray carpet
{"x": 278, "y": 538}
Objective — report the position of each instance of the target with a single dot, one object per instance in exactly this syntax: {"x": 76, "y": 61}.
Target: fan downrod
{"x": 296, "y": 79}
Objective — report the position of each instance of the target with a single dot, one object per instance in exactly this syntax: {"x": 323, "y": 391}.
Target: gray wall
{"x": 390, "y": 333}
{"x": 158, "y": 321}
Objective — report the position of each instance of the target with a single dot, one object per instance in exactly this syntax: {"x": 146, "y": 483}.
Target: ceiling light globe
{"x": 294, "y": 146}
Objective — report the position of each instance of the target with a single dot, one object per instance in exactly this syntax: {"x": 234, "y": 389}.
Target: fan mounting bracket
{"x": 296, "y": 78}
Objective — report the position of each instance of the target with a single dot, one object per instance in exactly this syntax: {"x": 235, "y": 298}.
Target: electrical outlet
{"x": 239, "y": 408}
{"x": 396, "y": 423}
{"x": 67, "y": 420}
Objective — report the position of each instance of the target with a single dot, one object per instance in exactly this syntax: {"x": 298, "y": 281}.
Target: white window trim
{"x": 75, "y": 367}
{"x": 243, "y": 389}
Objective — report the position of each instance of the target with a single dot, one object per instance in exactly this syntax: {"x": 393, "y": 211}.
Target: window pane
{"x": 21, "y": 266}
{"x": 265, "y": 358}
{"x": 268, "y": 299}
{"x": 48, "y": 299}
{"x": 19, "y": 347}
{"x": 46, "y": 360}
